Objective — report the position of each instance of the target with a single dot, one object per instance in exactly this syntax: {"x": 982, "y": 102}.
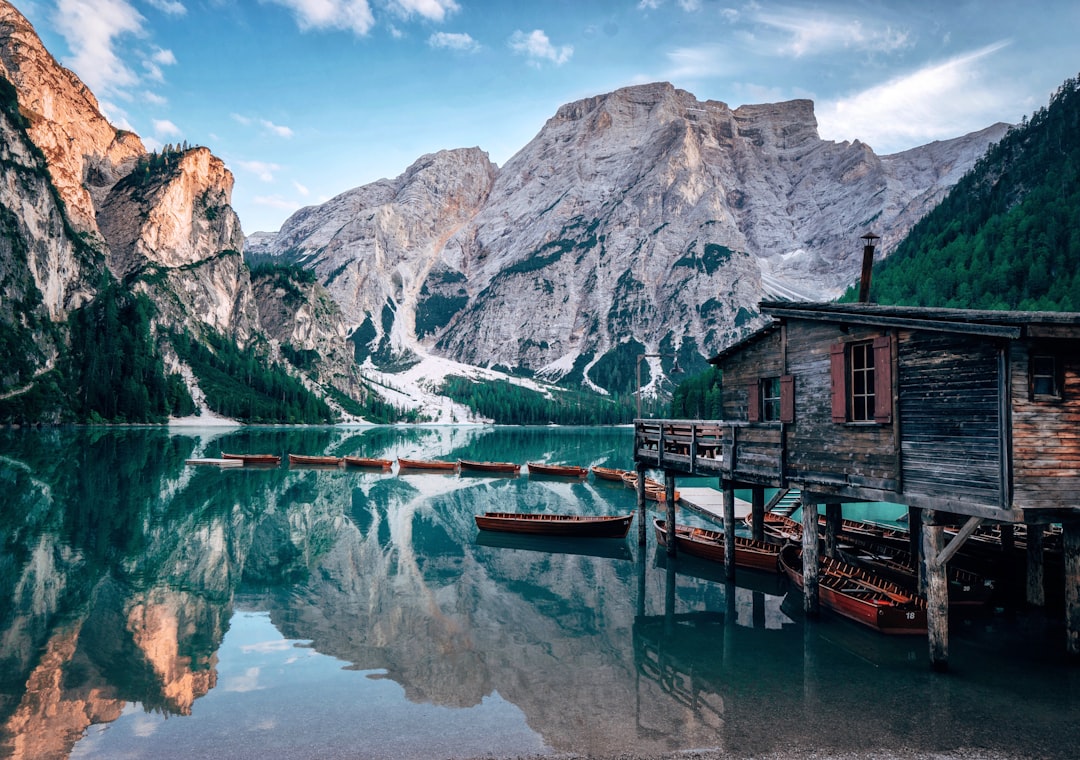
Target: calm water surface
{"x": 154, "y": 609}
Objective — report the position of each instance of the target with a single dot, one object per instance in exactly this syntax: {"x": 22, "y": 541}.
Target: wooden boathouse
{"x": 968, "y": 418}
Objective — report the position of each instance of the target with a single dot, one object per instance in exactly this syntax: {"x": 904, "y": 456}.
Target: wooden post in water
{"x": 811, "y": 604}
{"x": 1036, "y": 588}
{"x": 757, "y": 513}
{"x": 669, "y": 500}
{"x": 937, "y": 591}
{"x": 642, "y": 529}
{"x": 729, "y": 530}
{"x": 1071, "y": 550}
{"x": 915, "y": 547}
{"x": 833, "y": 520}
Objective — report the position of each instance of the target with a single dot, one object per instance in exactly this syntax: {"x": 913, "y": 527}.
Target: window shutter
{"x": 753, "y": 403}
{"x": 883, "y": 379}
{"x": 787, "y": 398}
{"x": 837, "y": 368}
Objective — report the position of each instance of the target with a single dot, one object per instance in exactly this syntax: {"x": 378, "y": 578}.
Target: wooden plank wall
{"x": 1046, "y": 437}
{"x": 821, "y": 451}
{"x": 763, "y": 358}
{"x": 950, "y": 418}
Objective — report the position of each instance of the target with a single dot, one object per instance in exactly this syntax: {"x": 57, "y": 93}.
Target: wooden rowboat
{"x": 507, "y": 468}
{"x": 558, "y": 470}
{"x": 254, "y": 458}
{"x": 608, "y": 473}
{"x": 709, "y": 544}
{"x": 860, "y": 595}
{"x": 369, "y": 462}
{"x": 654, "y": 489}
{"x": 223, "y": 462}
{"x": 541, "y": 524}
{"x": 315, "y": 461}
{"x": 426, "y": 464}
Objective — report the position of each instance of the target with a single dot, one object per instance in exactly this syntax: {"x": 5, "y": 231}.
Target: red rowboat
{"x": 709, "y": 544}
{"x": 556, "y": 525}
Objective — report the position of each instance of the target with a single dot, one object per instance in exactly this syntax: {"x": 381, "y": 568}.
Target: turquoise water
{"x": 154, "y": 609}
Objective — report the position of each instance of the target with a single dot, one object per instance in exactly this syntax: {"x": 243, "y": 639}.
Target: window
{"x": 861, "y": 365}
{"x": 862, "y": 380}
{"x": 772, "y": 399}
{"x": 1045, "y": 376}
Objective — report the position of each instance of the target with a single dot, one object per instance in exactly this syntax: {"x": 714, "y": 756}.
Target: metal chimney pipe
{"x": 867, "y": 266}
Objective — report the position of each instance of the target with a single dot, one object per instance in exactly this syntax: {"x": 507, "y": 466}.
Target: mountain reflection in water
{"x": 154, "y": 609}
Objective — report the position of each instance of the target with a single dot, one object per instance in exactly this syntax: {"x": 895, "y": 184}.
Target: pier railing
{"x": 750, "y": 451}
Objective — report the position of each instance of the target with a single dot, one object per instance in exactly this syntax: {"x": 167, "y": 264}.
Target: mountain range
{"x": 639, "y": 222}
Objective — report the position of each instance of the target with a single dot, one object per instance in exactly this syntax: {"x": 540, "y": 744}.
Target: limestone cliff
{"x": 640, "y": 215}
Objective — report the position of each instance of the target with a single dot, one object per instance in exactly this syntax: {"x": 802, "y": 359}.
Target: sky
{"x": 305, "y": 99}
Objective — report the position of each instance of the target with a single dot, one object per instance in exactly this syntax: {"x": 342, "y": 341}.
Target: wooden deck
{"x": 748, "y": 452}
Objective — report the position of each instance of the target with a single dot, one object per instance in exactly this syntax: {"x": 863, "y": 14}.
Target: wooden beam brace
{"x": 958, "y": 541}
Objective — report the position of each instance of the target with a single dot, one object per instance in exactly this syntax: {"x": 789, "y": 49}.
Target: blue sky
{"x": 304, "y": 99}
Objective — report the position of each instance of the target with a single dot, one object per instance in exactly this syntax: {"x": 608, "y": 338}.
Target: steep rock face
{"x": 85, "y": 153}
{"x": 306, "y": 324}
{"x": 374, "y": 247}
{"x": 643, "y": 215}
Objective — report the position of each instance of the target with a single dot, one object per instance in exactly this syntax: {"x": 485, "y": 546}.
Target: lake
{"x": 149, "y": 608}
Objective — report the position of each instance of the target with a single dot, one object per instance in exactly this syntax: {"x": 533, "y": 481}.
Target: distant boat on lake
{"x": 507, "y": 468}
{"x": 543, "y": 524}
{"x": 303, "y": 460}
{"x": 558, "y": 470}
{"x": 266, "y": 459}
{"x": 609, "y": 473}
{"x": 369, "y": 462}
{"x": 426, "y": 464}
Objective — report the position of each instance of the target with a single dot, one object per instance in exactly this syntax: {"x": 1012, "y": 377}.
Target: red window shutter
{"x": 753, "y": 402}
{"x": 883, "y": 379}
{"x": 837, "y": 369}
{"x": 787, "y": 398}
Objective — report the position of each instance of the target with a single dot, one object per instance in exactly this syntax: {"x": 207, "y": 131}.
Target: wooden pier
{"x": 967, "y": 418}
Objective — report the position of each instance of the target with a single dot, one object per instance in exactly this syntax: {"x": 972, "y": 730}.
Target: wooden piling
{"x": 669, "y": 500}
{"x": 757, "y": 513}
{"x": 1071, "y": 550}
{"x": 937, "y": 591}
{"x": 642, "y": 531}
{"x": 729, "y": 530}
{"x": 1036, "y": 586}
{"x": 811, "y": 604}
{"x": 834, "y": 517}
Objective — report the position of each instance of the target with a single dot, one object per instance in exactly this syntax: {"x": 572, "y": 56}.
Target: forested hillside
{"x": 1008, "y": 235}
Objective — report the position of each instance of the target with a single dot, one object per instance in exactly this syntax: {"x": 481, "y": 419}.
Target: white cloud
{"x": 261, "y": 169}
{"x": 276, "y": 202}
{"x": 163, "y": 57}
{"x": 91, "y": 29}
{"x": 153, "y": 98}
{"x": 240, "y": 118}
{"x": 301, "y": 189}
{"x": 432, "y": 10}
{"x": 349, "y": 15}
{"x": 941, "y": 101}
{"x": 698, "y": 62}
{"x": 276, "y": 129}
{"x": 170, "y": 7}
{"x": 165, "y": 128}
{"x": 450, "y": 41}
{"x": 812, "y": 33}
{"x": 536, "y": 46}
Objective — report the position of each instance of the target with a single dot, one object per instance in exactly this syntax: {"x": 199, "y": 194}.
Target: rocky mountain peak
{"x": 640, "y": 217}
{"x": 85, "y": 153}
